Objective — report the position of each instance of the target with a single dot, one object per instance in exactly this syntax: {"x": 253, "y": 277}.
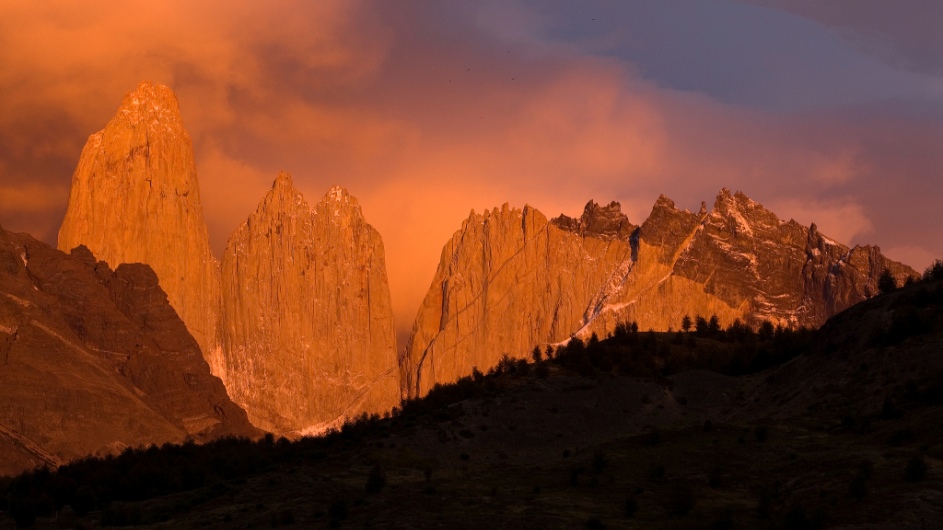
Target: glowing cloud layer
{"x": 424, "y": 110}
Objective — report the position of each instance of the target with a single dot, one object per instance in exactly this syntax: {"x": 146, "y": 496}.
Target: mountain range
{"x": 295, "y": 322}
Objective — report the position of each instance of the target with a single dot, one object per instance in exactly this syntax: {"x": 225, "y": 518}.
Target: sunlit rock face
{"x": 135, "y": 199}
{"x": 93, "y": 361}
{"x": 510, "y": 280}
{"x": 308, "y": 325}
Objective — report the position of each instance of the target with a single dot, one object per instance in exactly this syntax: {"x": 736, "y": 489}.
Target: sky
{"x": 825, "y": 112}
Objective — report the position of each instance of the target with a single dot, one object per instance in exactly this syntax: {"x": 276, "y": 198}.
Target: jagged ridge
{"x": 510, "y": 280}
{"x": 308, "y": 325}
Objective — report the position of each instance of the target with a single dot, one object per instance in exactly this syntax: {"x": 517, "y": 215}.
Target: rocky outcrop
{"x": 95, "y": 360}
{"x": 135, "y": 199}
{"x": 602, "y": 222}
{"x": 509, "y": 280}
{"x": 308, "y": 326}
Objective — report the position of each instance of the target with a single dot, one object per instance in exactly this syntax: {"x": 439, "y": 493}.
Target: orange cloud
{"x": 423, "y": 120}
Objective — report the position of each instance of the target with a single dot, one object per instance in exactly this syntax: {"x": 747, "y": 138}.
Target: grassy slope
{"x": 813, "y": 442}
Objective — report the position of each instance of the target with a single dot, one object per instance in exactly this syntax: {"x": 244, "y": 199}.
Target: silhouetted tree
{"x": 700, "y": 326}
{"x": 713, "y": 325}
{"x": 887, "y": 283}
{"x": 766, "y": 331}
{"x": 537, "y": 354}
{"x": 686, "y": 323}
{"x": 506, "y": 365}
{"x": 375, "y": 480}
{"x": 934, "y": 272}
{"x": 916, "y": 469}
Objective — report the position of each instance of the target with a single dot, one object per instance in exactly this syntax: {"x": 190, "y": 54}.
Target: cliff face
{"x": 308, "y": 325}
{"x": 135, "y": 199}
{"x": 509, "y": 280}
{"x": 95, "y": 360}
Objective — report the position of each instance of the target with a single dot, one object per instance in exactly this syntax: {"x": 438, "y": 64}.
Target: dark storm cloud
{"x": 905, "y": 34}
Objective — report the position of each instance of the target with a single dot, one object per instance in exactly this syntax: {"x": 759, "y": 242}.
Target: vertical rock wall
{"x": 135, "y": 199}
{"x": 509, "y": 280}
{"x": 308, "y": 325}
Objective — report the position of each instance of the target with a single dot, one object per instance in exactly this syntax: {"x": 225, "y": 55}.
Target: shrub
{"x": 724, "y": 521}
{"x": 916, "y": 469}
{"x": 522, "y": 367}
{"x": 680, "y": 499}
{"x": 934, "y": 272}
{"x": 887, "y": 283}
{"x": 376, "y": 480}
{"x": 83, "y": 501}
{"x": 761, "y": 433}
{"x": 715, "y": 479}
{"x": 889, "y": 411}
{"x": 797, "y": 518}
{"x": 656, "y": 472}
{"x": 858, "y": 487}
{"x": 599, "y": 461}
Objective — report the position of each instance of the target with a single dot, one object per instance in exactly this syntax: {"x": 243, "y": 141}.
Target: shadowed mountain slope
{"x": 842, "y": 432}
{"x": 95, "y": 360}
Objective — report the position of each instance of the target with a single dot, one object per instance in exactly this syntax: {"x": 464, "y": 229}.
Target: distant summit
{"x": 509, "y": 279}
{"x": 135, "y": 198}
{"x": 302, "y": 331}
{"x": 307, "y": 321}
{"x": 605, "y": 222}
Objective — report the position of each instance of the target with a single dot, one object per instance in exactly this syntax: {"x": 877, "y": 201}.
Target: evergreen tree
{"x": 713, "y": 326}
{"x": 700, "y": 326}
{"x": 934, "y": 272}
{"x": 537, "y": 354}
{"x": 887, "y": 283}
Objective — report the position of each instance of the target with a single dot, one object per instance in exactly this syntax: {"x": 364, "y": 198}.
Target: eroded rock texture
{"x": 509, "y": 279}
{"x": 94, "y": 360}
{"x": 135, "y": 199}
{"x": 308, "y": 326}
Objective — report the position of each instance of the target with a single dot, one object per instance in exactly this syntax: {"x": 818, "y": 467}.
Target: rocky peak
{"x": 135, "y": 198}
{"x": 307, "y": 321}
{"x": 742, "y": 217}
{"x": 667, "y": 228}
{"x": 339, "y": 202}
{"x": 83, "y": 254}
{"x": 497, "y": 290}
{"x": 151, "y": 104}
{"x": 283, "y": 199}
{"x": 602, "y": 222}
{"x": 283, "y": 180}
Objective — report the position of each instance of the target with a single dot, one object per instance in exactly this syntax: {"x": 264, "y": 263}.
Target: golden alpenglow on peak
{"x": 283, "y": 179}
{"x": 135, "y": 198}
{"x": 510, "y": 280}
{"x": 151, "y": 103}
{"x": 308, "y": 325}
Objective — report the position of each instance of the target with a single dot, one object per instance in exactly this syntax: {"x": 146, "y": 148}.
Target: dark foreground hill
{"x": 94, "y": 360}
{"x": 716, "y": 429}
